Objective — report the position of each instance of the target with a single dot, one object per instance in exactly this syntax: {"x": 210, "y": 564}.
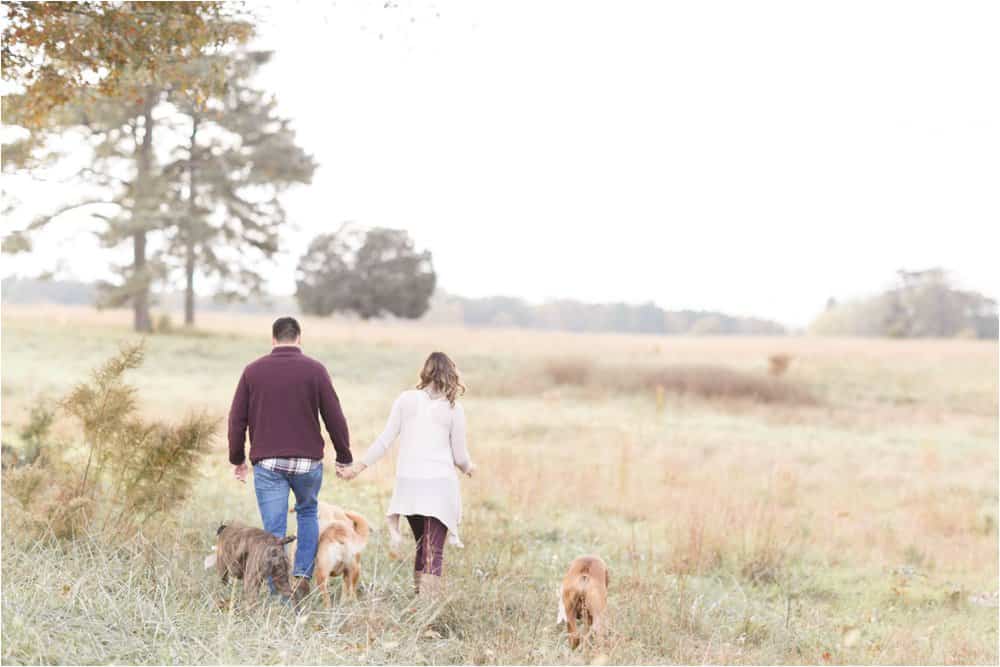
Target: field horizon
{"x": 844, "y": 512}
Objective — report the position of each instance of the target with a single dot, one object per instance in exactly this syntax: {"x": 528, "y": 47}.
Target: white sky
{"x": 749, "y": 157}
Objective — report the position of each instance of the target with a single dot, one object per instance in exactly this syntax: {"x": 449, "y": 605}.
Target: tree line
{"x": 572, "y": 315}
{"x": 923, "y": 304}
{"x": 439, "y": 308}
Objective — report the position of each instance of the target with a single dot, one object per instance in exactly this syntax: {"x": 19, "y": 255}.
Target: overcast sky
{"x": 749, "y": 157}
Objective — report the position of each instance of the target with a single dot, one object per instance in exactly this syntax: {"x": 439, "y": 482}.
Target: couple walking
{"x": 281, "y": 398}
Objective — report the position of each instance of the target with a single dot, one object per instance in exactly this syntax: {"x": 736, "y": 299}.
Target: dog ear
{"x": 286, "y": 540}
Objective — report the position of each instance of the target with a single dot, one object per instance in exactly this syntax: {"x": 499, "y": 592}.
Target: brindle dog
{"x": 253, "y": 555}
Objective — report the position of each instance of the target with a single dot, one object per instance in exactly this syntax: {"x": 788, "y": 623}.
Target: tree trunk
{"x": 189, "y": 287}
{"x": 140, "y": 299}
{"x": 189, "y": 241}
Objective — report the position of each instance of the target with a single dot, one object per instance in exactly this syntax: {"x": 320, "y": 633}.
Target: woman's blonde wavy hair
{"x": 441, "y": 374}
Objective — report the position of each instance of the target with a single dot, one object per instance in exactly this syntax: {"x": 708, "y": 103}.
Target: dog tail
{"x": 581, "y": 593}
{"x": 360, "y": 525}
{"x": 561, "y": 616}
{"x": 286, "y": 540}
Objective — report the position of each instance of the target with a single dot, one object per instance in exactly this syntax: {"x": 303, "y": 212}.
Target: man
{"x": 279, "y": 397}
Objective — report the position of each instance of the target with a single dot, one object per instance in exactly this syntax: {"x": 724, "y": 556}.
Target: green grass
{"x": 871, "y": 516}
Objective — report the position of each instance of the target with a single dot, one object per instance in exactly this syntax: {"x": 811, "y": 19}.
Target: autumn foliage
{"x": 59, "y": 51}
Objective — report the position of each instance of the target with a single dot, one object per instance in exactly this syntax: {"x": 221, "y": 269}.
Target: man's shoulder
{"x": 313, "y": 363}
{"x": 302, "y": 362}
{"x": 257, "y": 363}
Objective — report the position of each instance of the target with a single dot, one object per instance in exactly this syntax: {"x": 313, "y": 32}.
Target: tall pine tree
{"x": 225, "y": 183}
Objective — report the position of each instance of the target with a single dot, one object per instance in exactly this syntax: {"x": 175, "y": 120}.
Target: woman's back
{"x": 431, "y": 435}
{"x": 425, "y": 436}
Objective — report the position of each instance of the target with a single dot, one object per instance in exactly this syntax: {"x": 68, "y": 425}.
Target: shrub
{"x": 700, "y": 380}
{"x": 34, "y": 439}
{"x": 569, "y": 371}
{"x": 703, "y": 381}
{"x": 35, "y": 433}
{"x": 708, "y": 381}
{"x": 134, "y": 469}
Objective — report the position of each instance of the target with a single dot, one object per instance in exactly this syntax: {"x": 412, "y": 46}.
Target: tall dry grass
{"x": 710, "y": 381}
{"x": 859, "y": 528}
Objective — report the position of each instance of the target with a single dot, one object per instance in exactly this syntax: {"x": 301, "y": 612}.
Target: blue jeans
{"x": 272, "y": 499}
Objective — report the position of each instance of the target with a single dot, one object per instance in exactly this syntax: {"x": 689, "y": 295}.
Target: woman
{"x": 431, "y": 429}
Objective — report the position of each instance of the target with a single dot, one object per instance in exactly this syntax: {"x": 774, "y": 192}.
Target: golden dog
{"x": 584, "y": 597}
{"x": 343, "y": 535}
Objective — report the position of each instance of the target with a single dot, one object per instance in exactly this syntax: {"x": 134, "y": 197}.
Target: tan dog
{"x": 343, "y": 535}
{"x": 253, "y": 555}
{"x": 584, "y": 597}
{"x": 327, "y": 513}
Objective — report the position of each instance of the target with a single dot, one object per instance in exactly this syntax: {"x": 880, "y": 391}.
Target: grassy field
{"x": 852, "y": 520}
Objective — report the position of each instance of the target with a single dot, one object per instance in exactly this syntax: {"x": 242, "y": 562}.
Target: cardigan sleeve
{"x": 389, "y": 434}
{"x": 459, "y": 449}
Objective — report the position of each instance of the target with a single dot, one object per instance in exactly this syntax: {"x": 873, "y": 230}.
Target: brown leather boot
{"x": 300, "y": 589}
{"x": 430, "y": 586}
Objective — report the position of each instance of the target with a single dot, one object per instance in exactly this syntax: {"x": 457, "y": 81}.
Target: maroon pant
{"x": 430, "y": 535}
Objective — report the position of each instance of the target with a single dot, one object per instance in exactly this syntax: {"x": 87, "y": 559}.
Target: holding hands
{"x": 350, "y": 471}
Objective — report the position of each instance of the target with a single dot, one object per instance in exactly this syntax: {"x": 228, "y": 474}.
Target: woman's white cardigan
{"x": 431, "y": 435}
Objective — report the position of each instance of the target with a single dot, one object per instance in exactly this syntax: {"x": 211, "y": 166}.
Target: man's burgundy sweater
{"x": 279, "y": 397}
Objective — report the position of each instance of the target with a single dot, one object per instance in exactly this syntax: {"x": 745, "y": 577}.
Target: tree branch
{"x": 41, "y": 221}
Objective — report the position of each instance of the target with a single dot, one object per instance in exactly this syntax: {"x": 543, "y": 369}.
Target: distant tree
{"x": 923, "y": 304}
{"x": 239, "y": 157}
{"x": 368, "y": 272}
{"x": 72, "y": 52}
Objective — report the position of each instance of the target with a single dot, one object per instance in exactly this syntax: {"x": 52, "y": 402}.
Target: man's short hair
{"x": 286, "y": 330}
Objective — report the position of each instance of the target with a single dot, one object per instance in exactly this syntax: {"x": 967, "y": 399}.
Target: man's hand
{"x": 472, "y": 469}
{"x": 240, "y": 472}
